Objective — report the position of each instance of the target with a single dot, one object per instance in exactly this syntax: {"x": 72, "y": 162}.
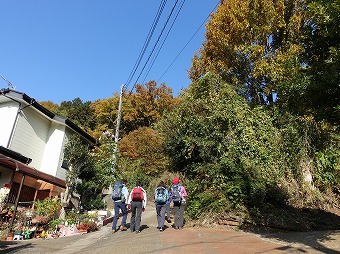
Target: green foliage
{"x": 216, "y": 139}
{"x": 322, "y": 44}
{"x": 132, "y": 171}
{"x": 54, "y": 223}
{"x": 47, "y": 207}
{"x": 250, "y": 43}
{"x": 93, "y": 203}
{"x": 88, "y": 173}
{"x": 327, "y": 175}
{"x": 78, "y": 112}
{"x": 73, "y": 216}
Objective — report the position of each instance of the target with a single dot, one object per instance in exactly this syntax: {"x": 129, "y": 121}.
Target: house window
{"x": 64, "y": 164}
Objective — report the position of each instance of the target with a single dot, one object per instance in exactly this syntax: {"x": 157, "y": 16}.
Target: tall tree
{"x": 78, "y": 112}
{"x": 146, "y": 105}
{"x": 51, "y": 106}
{"x": 105, "y": 111}
{"x": 322, "y": 56}
{"x": 249, "y": 43}
{"x": 228, "y": 150}
{"x": 80, "y": 167}
{"x": 144, "y": 149}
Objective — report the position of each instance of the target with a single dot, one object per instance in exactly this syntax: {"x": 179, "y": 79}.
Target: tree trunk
{"x": 65, "y": 201}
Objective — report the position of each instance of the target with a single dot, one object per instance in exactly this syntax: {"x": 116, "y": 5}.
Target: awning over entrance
{"x": 29, "y": 171}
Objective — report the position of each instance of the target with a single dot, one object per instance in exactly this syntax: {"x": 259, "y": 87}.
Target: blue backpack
{"x": 160, "y": 196}
{"x": 176, "y": 193}
{"x": 117, "y": 192}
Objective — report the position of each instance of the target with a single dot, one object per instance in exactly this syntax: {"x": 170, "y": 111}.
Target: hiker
{"x": 161, "y": 197}
{"x": 168, "y": 213}
{"x": 120, "y": 195}
{"x": 178, "y": 195}
{"x": 137, "y": 203}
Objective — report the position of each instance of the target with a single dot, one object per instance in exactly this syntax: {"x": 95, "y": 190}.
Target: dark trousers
{"x": 136, "y": 215}
{"x": 160, "y": 210}
{"x": 118, "y": 205}
{"x": 179, "y": 215}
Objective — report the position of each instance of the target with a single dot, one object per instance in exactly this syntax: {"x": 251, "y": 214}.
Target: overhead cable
{"x": 172, "y": 10}
{"x": 188, "y": 42}
{"x": 147, "y": 41}
{"x": 161, "y": 46}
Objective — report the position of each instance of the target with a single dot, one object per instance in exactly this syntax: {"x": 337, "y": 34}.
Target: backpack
{"x": 176, "y": 193}
{"x": 117, "y": 192}
{"x": 137, "y": 194}
{"x": 160, "y": 196}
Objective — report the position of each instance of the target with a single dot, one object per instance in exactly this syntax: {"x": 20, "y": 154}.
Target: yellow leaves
{"x": 51, "y": 106}
{"x": 144, "y": 144}
{"x": 106, "y": 112}
{"x": 148, "y": 104}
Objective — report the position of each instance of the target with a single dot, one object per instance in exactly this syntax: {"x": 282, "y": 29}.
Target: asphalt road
{"x": 171, "y": 241}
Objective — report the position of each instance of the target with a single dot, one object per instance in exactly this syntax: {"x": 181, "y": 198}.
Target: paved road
{"x": 171, "y": 241}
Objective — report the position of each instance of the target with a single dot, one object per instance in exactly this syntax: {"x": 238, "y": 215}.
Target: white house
{"x": 32, "y": 140}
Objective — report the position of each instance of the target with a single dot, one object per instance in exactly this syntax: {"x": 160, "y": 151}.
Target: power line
{"x": 188, "y": 42}
{"x": 172, "y": 10}
{"x": 147, "y": 40}
{"x": 159, "y": 49}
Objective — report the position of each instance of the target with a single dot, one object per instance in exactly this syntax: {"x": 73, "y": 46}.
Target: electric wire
{"x": 147, "y": 41}
{"x": 161, "y": 46}
{"x": 172, "y": 10}
{"x": 187, "y": 43}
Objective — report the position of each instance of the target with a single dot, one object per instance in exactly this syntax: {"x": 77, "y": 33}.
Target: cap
{"x": 176, "y": 180}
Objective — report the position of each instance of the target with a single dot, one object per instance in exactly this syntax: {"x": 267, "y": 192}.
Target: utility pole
{"x": 114, "y": 155}
{"x": 117, "y": 128}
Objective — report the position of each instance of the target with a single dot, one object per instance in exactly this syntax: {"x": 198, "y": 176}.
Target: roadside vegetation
{"x": 255, "y": 136}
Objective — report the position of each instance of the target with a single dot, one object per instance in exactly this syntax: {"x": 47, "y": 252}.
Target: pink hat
{"x": 176, "y": 180}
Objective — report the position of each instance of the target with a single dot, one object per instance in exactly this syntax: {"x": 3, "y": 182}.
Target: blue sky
{"x": 59, "y": 50}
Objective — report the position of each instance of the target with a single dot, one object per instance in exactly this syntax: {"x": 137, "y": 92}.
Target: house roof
{"x": 16, "y": 165}
{"x": 22, "y": 97}
{"x": 14, "y": 155}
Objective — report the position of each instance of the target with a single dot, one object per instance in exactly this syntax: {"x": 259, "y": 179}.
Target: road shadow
{"x": 12, "y": 246}
{"x": 311, "y": 227}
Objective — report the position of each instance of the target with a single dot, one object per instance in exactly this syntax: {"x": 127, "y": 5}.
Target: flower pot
{"x": 10, "y": 238}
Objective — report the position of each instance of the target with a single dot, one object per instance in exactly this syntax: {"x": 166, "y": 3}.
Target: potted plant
{"x": 84, "y": 227}
{"x": 10, "y": 236}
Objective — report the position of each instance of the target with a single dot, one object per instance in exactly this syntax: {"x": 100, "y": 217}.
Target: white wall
{"x": 8, "y": 112}
{"x": 31, "y": 135}
{"x": 53, "y": 149}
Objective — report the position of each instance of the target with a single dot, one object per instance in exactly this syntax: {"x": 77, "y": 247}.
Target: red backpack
{"x": 137, "y": 194}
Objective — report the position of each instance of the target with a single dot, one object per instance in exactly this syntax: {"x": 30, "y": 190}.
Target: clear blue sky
{"x": 59, "y": 50}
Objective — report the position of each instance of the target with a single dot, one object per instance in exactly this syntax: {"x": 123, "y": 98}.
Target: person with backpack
{"x": 178, "y": 195}
{"x": 168, "y": 212}
{"x": 161, "y": 197}
{"x": 137, "y": 204}
{"x": 120, "y": 195}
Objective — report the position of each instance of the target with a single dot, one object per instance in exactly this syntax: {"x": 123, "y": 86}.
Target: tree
{"x": 249, "y": 43}
{"x": 229, "y": 151}
{"x": 142, "y": 149}
{"x": 78, "y": 112}
{"x": 146, "y": 106}
{"x": 51, "y": 106}
{"x": 80, "y": 168}
{"x": 106, "y": 112}
{"x": 322, "y": 56}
